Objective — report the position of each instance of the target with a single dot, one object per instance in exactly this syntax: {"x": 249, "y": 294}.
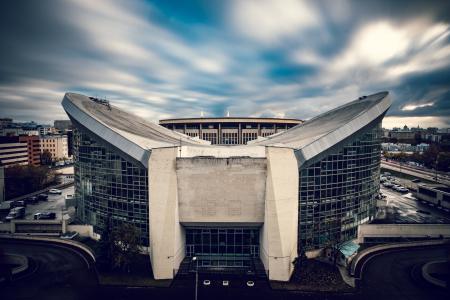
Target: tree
{"x": 104, "y": 250}
{"x": 46, "y": 157}
{"x": 124, "y": 246}
{"x": 20, "y": 180}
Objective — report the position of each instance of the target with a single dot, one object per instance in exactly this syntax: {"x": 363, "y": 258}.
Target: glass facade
{"x": 223, "y": 247}
{"x": 338, "y": 192}
{"x": 109, "y": 186}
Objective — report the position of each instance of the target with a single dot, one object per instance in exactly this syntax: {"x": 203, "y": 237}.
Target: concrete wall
{"x": 84, "y": 230}
{"x": 278, "y": 238}
{"x": 402, "y": 230}
{"x": 2, "y": 184}
{"x": 167, "y": 239}
{"x": 220, "y": 190}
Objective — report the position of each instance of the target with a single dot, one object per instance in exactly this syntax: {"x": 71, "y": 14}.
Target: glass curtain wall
{"x": 223, "y": 247}
{"x": 338, "y": 193}
{"x": 108, "y": 187}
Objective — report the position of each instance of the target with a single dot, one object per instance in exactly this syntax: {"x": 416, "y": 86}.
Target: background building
{"x": 13, "y": 152}
{"x": 229, "y": 131}
{"x": 34, "y": 149}
{"x": 46, "y": 129}
{"x": 231, "y": 206}
{"x": 62, "y": 125}
{"x": 57, "y": 145}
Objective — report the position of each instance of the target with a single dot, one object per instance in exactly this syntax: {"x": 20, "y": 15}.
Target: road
{"x": 419, "y": 173}
{"x": 404, "y": 208}
{"x": 395, "y": 275}
{"x": 63, "y": 274}
{"x": 57, "y": 272}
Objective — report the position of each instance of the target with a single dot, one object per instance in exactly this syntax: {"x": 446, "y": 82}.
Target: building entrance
{"x": 221, "y": 247}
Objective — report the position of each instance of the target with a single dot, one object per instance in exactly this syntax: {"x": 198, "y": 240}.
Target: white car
{"x": 68, "y": 197}
{"x": 55, "y": 191}
{"x": 225, "y": 283}
{"x": 250, "y": 283}
{"x": 206, "y": 282}
{"x": 402, "y": 189}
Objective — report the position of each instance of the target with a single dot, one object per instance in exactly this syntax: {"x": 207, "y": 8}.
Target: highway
{"x": 416, "y": 172}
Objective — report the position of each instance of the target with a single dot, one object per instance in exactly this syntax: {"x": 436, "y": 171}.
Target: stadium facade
{"x": 298, "y": 190}
{"x": 229, "y": 130}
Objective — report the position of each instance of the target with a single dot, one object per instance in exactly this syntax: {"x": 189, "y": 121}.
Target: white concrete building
{"x": 56, "y": 145}
{"x": 231, "y": 206}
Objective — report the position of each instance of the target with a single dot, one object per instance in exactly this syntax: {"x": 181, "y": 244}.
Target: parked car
{"x": 250, "y": 283}
{"x": 55, "y": 191}
{"x": 5, "y": 205}
{"x": 402, "y": 189}
{"x": 16, "y": 213}
{"x": 32, "y": 200}
{"x": 395, "y": 186}
{"x": 18, "y": 203}
{"x": 206, "y": 282}
{"x": 42, "y": 197}
{"x": 387, "y": 184}
{"x": 44, "y": 215}
{"x": 225, "y": 283}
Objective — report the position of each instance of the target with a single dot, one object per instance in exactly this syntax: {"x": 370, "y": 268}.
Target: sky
{"x": 267, "y": 58}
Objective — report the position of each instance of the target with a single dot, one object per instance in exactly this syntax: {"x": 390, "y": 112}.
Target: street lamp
{"x": 196, "y": 275}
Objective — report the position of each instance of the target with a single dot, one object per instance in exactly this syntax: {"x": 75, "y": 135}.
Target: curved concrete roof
{"x": 136, "y": 136}
{"x": 326, "y": 130}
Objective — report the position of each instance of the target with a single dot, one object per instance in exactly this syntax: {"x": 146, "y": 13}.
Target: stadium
{"x": 230, "y": 201}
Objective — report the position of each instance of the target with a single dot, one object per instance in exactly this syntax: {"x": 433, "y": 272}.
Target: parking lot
{"x": 405, "y": 208}
{"x": 55, "y": 203}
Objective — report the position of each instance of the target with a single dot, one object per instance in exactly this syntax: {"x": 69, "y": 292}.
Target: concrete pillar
{"x": 63, "y": 224}
{"x": 240, "y": 134}
{"x": 278, "y": 238}
{"x": 167, "y": 238}
{"x": 2, "y": 184}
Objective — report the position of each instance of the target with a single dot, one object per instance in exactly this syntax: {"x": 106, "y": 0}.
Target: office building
{"x": 57, "y": 145}
{"x": 34, "y": 148}
{"x": 13, "y": 152}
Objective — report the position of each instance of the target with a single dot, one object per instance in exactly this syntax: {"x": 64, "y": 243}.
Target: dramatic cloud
{"x": 161, "y": 59}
